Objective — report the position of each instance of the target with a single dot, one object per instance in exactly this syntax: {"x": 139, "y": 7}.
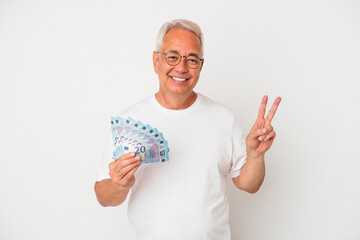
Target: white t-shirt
{"x": 187, "y": 197}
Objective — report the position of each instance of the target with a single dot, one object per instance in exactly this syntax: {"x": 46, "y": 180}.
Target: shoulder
{"x": 217, "y": 113}
{"x": 216, "y": 107}
{"x": 140, "y": 106}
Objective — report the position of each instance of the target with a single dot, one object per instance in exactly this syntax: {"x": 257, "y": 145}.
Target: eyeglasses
{"x": 174, "y": 59}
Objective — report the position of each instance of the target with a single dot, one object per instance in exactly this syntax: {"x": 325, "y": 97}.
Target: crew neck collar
{"x": 177, "y": 112}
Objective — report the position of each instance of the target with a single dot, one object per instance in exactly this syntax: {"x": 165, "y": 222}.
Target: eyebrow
{"x": 190, "y": 54}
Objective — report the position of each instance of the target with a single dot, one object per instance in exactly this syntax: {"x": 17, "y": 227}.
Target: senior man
{"x": 185, "y": 198}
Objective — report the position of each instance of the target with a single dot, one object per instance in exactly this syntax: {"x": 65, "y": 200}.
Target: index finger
{"x": 125, "y": 156}
{"x": 124, "y": 160}
{"x": 262, "y": 108}
{"x": 273, "y": 109}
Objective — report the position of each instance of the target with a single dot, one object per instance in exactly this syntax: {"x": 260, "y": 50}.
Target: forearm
{"x": 109, "y": 193}
{"x": 252, "y": 174}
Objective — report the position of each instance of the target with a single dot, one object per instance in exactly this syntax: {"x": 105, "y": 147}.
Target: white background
{"x": 66, "y": 66}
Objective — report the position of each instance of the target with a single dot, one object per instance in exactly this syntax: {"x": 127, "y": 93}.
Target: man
{"x": 186, "y": 198}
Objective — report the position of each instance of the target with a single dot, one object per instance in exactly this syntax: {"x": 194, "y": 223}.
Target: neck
{"x": 176, "y": 102}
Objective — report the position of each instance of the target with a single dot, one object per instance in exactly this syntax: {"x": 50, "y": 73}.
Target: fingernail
{"x": 132, "y": 154}
{"x": 263, "y": 130}
{"x": 137, "y": 158}
{"x": 260, "y": 138}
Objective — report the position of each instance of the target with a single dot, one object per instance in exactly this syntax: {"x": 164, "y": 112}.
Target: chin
{"x": 178, "y": 91}
{"x": 185, "y": 89}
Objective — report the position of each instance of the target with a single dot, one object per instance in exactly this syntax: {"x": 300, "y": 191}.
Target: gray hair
{"x": 179, "y": 24}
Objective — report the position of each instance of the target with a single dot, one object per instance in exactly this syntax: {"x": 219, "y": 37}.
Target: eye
{"x": 193, "y": 60}
{"x": 172, "y": 58}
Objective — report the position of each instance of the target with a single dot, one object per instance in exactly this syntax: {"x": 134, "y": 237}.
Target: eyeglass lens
{"x": 175, "y": 58}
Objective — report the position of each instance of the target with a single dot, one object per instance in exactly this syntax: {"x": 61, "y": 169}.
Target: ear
{"x": 156, "y": 61}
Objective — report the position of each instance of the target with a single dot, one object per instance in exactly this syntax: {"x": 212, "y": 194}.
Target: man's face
{"x": 178, "y": 79}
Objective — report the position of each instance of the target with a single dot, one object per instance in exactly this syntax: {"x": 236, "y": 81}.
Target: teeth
{"x": 179, "y": 79}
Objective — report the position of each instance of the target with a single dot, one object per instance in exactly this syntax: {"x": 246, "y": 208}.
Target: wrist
{"x": 254, "y": 156}
{"x": 119, "y": 186}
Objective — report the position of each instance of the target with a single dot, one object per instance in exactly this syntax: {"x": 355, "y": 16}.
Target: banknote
{"x": 130, "y": 135}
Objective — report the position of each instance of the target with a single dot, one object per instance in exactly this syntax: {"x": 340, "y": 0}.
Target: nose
{"x": 182, "y": 67}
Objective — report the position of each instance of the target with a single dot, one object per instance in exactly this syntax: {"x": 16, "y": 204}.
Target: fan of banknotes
{"x": 130, "y": 135}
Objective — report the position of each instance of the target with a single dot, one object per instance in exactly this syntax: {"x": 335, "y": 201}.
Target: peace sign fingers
{"x": 273, "y": 109}
{"x": 262, "y": 134}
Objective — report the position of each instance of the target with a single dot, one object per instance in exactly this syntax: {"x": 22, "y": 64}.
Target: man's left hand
{"x": 262, "y": 134}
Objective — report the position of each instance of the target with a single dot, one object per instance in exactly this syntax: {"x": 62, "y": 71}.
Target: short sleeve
{"x": 238, "y": 155}
{"x": 103, "y": 168}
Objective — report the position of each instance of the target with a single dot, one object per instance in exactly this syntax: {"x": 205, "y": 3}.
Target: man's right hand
{"x": 113, "y": 191}
{"x": 122, "y": 170}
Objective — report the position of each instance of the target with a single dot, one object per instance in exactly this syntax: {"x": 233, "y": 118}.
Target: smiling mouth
{"x": 179, "y": 79}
